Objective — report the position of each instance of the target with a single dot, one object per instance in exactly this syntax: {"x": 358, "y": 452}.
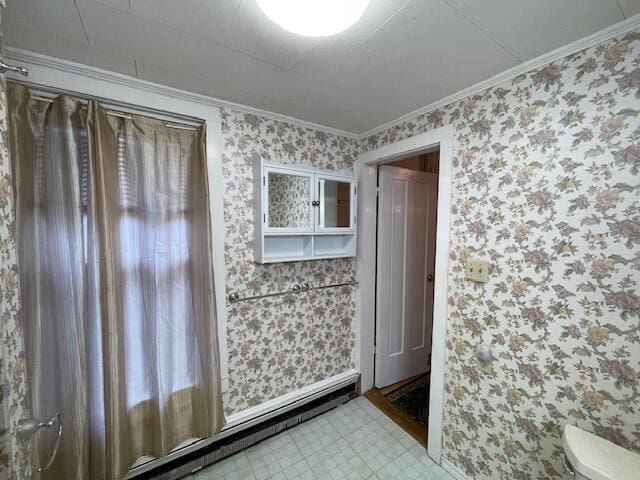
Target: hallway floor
{"x": 354, "y": 441}
{"x": 406, "y": 403}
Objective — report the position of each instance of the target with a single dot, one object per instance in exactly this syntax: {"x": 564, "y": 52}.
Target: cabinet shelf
{"x": 332, "y": 245}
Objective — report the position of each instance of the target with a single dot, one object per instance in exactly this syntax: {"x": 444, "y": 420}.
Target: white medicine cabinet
{"x": 302, "y": 213}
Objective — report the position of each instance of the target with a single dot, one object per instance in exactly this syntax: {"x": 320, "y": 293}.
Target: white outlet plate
{"x": 476, "y": 270}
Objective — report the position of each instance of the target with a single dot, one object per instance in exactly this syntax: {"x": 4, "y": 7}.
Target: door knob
{"x": 430, "y": 278}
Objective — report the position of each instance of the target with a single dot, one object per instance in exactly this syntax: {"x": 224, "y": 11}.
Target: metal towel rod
{"x": 297, "y": 288}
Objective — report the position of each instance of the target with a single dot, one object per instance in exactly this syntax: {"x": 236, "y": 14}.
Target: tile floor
{"x": 354, "y": 441}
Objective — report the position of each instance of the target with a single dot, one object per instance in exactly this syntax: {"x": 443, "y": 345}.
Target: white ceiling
{"x": 402, "y": 55}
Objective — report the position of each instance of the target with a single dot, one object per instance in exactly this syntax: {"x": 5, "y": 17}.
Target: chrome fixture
{"x": 27, "y": 428}
{"x": 567, "y": 466}
{"x": 297, "y": 288}
{"x": 484, "y": 354}
{"x": 5, "y": 67}
{"x": 301, "y": 287}
{"x": 485, "y": 357}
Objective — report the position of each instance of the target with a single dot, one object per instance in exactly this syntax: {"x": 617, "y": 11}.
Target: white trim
{"x": 215, "y": 147}
{"x": 603, "y": 35}
{"x": 303, "y": 167}
{"x": 365, "y": 328}
{"x": 366, "y": 270}
{"x": 405, "y": 148}
{"x": 617, "y": 29}
{"x": 30, "y": 59}
{"x": 260, "y": 413}
{"x": 286, "y": 402}
{"x": 142, "y": 94}
{"x": 455, "y": 471}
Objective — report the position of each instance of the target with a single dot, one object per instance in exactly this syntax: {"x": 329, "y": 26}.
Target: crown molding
{"x": 618, "y": 29}
{"x": 28, "y": 58}
{"x": 32, "y": 58}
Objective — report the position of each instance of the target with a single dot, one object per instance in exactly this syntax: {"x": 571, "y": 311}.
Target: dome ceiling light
{"x": 314, "y": 18}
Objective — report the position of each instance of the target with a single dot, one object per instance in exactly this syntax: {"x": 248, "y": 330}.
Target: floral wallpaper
{"x": 13, "y": 406}
{"x": 289, "y": 197}
{"x": 546, "y": 186}
{"x": 279, "y": 344}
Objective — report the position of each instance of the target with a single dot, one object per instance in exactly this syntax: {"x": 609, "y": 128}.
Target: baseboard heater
{"x": 227, "y": 446}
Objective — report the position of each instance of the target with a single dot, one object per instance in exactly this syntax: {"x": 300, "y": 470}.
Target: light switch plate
{"x": 476, "y": 270}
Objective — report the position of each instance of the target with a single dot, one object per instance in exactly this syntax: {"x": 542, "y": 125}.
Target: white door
{"x": 407, "y": 208}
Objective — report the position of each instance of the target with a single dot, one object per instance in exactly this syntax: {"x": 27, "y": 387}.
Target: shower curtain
{"x": 115, "y": 269}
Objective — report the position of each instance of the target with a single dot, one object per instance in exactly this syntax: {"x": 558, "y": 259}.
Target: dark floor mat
{"x": 413, "y": 399}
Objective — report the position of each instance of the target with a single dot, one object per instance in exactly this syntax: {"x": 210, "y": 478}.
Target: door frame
{"x": 366, "y": 168}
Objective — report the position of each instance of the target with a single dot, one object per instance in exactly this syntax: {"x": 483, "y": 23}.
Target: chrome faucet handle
{"x": 567, "y": 466}
{"x": 27, "y": 428}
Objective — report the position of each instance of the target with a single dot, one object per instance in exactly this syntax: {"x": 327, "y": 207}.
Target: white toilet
{"x": 589, "y": 457}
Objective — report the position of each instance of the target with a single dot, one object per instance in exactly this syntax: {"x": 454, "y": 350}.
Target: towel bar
{"x": 297, "y": 288}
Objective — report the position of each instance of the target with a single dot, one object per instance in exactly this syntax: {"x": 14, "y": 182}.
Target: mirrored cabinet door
{"x": 335, "y": 201}
{"x": 288, "y": 203}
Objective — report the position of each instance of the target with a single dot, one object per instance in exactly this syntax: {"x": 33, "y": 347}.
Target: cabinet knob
{"x": 315, "y": 203}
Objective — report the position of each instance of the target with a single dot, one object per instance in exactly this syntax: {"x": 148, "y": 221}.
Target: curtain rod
{"x": 48, "y": 93}
{"x": 115, "y": 113}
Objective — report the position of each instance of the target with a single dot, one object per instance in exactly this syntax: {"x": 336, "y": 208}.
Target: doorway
{"x": 438, "y": 139}
{"x": 405, "y": 264}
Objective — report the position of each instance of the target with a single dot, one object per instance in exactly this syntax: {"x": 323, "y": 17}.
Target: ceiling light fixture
{"x": 314, "y": 18}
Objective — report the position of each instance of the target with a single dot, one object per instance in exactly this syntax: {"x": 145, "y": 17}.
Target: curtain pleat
{"x": 116, "y": 210}
{"x": 46, "y": 144}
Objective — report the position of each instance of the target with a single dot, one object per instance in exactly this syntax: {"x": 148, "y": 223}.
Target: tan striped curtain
{"x": 116, "y": 273}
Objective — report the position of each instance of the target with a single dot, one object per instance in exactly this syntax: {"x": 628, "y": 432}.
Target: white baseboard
{"x": 268, "y": 409}
{"x": 455, "y": 471}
